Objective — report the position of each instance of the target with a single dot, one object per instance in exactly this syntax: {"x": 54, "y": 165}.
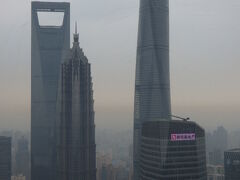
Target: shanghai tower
{"x": 152, "y": 85}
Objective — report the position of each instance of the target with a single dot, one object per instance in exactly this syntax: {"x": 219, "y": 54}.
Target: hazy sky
{"x": 204, "y": 51}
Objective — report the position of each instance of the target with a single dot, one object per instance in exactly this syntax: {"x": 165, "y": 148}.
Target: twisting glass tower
{"x": 164, "y": 149}
{"x": 152, "y": 86}
{"x": 76, "y": 149}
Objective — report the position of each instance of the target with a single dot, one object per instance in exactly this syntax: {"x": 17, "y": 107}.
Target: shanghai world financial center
{"x": 62, "y": 106}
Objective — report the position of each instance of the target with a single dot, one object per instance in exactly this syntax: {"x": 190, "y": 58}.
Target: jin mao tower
{"x": 76, "y": 147}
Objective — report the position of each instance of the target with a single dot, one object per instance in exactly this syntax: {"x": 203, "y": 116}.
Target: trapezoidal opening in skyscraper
{"x": 49, "y": 18}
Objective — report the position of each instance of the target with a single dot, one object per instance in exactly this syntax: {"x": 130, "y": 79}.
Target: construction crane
{"x": 178, "y": 117}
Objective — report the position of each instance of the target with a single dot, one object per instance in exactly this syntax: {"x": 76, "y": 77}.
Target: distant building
{"x": 76, "y": 148}
{"x": 215, "y": 157}
{"x": 217, "y": 143}
{"x": 107, "y": 169}
{"x": 121, "y": 173}
{"x": 232, "y": 164}
{"x": 104, "y": 167}
{"x": 23, "y": 158}
{"x": 19, "y": 177}
{"x": 49, "y": 44}
{"x": 5, "y": 158}
{"x": 215, "y": 172}
{"x": 172, "y": 150}
{"x": 234, "y": 139}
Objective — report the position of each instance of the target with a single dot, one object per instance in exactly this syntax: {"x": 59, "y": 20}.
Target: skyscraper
{"x": 5, "y": 158}
{"x": 172, "y": 150}
{"x": 49, "y": 44}
{"x": 76, "y": 147}
{"x": 163, "y": 148}
{"x": 152, "y": 85}
{"x": 22, "y": 158}
{"x": 232, "y": 164}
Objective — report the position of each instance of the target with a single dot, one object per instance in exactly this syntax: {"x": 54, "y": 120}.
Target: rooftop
{"x": 234, "y": 150}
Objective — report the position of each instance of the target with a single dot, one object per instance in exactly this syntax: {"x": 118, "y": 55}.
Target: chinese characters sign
{"x": 183, "y": 137}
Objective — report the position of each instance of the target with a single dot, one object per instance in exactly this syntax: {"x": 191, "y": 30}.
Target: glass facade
{"x": 76, "y": 149}
{"x": 161, "y": 157}
{"x": 152, "y": 85}
{"x": 5, "y": 158}
{"x": 49, "y": 44}
{"x": 232, "y": 164}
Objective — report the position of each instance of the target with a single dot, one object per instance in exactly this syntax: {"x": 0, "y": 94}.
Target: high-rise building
{"x": 152, "y": 85}
{"x": 232, "y": 164}
{"x": 163, "y": 148}
{"x": 5, "y": 158}
{"x": 172, "y": 150}
{"x": 49, "y": 44}
{"x": 22, "y": 158}
{"x": 217, "y": 143}
{"x": 220, "y": 136}
{"x": 76, "y": 137}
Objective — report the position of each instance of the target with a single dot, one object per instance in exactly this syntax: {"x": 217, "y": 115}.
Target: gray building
{"x": 152, "y": 85}
{"x": 172, "y": 150}
{"x": 232, "y": 164}
{"x": 5, "y": 158}
{"x": 23, "y": 158}
{"x": 217, "y": 143}
{"x": 156, "y": 154}
{"x": 76, "y": 147}
{"x": 49, "y": 44}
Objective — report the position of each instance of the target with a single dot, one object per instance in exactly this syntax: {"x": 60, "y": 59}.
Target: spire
{"x": 76, "y": 27}
{"x": 76, "y": 35}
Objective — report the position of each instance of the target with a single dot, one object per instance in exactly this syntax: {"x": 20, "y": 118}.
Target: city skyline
{"x": 185, "y": 72}
{"x": 201, "y": 59}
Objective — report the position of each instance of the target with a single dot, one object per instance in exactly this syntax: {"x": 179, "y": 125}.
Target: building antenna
{"x": 75, "y": 27}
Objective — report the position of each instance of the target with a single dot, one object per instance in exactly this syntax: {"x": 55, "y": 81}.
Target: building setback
{"x": 76, "y": 147}
{"x": 49, "y": 44}
{"x": 152, "y": 84}
{"x": 5, "y": 158}
{"x": 232, "y": 164}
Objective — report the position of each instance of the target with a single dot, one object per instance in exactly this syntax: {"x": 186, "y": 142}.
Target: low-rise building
{"x": 19, "y": 177}
{"x": 215, "y": 172}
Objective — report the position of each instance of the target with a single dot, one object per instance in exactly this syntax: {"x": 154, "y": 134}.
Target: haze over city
{"x": 119, "y": 90}
{"x": 204, "y": 57}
